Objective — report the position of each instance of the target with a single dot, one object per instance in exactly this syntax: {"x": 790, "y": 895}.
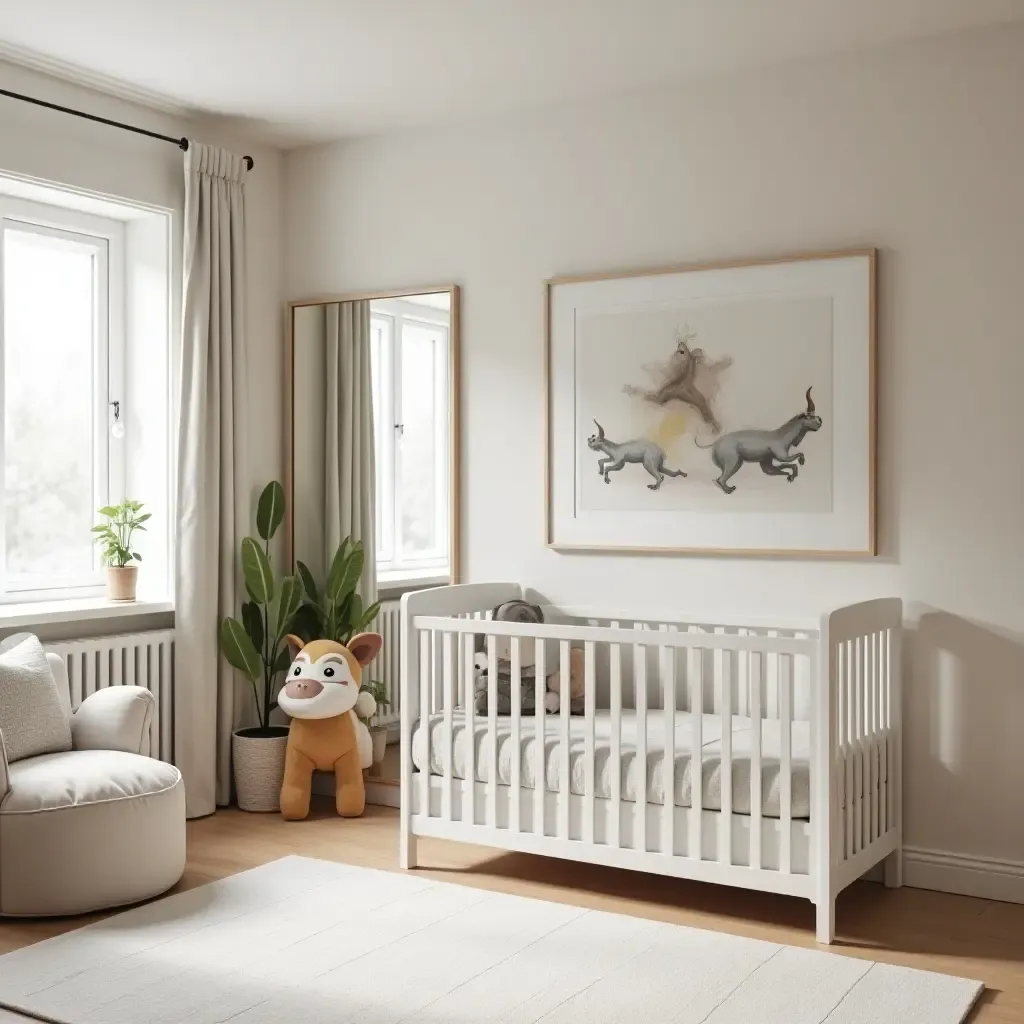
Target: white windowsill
{"x": 38, "y": 613}
{"x": 394, "y": 584}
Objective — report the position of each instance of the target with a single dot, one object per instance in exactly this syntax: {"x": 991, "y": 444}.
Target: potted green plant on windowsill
{"x": 119, "y": 556}
{"x": 256, "y": 647}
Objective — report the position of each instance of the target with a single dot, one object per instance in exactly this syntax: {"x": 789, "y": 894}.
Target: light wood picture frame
{"x": 723, "y": 408}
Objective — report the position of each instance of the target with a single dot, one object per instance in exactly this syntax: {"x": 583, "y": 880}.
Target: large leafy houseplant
{"x": 336, "y": 612}
{"x": 255, "y": 643}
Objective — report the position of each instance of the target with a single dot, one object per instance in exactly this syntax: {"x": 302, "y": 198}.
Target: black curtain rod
{"x": 181, "y": 143}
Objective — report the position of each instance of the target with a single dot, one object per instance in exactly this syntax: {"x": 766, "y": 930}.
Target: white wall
{"x": 917, "y": 150}
{"x": 65, "y": 150}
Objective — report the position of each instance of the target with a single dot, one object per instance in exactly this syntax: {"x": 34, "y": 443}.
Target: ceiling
{"x": 309, "y": 70}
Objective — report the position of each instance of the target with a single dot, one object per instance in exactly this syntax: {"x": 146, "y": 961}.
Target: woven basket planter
{"x": 258, "y": 757}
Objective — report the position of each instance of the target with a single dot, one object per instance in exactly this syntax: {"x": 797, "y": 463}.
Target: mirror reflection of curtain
{"x": 348, "y": 449}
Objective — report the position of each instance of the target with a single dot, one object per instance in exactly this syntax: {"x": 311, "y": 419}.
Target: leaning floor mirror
{"x": 373, "y": 456}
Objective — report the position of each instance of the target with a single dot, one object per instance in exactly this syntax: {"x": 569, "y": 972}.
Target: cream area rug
{"x": 303, "y": 941}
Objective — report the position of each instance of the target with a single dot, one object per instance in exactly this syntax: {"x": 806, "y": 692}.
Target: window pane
{"x": 49, "y": 328}
{"x": 422, "y": 530}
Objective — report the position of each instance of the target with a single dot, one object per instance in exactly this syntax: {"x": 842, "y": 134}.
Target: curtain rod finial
{"x": 183, "y": 144}
{"x": 249, "y": 162}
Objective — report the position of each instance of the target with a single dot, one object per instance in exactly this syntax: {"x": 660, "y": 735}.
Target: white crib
{"x": 803, "y": 803}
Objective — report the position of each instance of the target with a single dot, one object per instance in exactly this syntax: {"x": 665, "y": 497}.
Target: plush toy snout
{"x": 303, "y": 689}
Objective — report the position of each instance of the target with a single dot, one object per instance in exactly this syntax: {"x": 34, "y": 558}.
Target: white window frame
{"x": 105, "y": 238}
{"x": 392, "y": 315}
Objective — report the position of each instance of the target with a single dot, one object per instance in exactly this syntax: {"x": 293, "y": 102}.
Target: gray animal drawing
{"x": 769, "y": 448}
{"x": 687, "y": 377}
{"x": 650, "y": 455}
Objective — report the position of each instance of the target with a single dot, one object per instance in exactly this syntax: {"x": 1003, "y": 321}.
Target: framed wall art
{"x": 714, "y": 409}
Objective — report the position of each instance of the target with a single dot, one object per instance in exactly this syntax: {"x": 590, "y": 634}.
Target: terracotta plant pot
{"x": 258, "y": 758}
{"x": 121, "y": 581}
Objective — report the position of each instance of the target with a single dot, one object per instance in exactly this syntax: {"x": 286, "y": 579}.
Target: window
{"x": 410, "y": 360}
{"x": 61, "y": 342}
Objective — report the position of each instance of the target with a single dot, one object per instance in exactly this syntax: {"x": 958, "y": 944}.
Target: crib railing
{"x": 440, "y": 664}
{"x": 836, "y": 689}
{"x": 866, "y": 791}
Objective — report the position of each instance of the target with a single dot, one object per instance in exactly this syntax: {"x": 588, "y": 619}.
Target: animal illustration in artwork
{"x": 647, "y": 453}
{"x": 770, "y": 449}
{"x": 323, "y": 699}
{"x": 688, "y": 377}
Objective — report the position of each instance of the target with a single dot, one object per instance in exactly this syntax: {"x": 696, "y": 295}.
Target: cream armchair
{"x": 99, "y": 825}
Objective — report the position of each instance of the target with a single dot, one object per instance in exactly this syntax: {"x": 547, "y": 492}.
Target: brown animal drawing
{"x": 322, "y": 697}
{"x": 687, "y": 377}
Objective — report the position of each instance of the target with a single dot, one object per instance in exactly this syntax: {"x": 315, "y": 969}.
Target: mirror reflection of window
{"x": 410, "y": 359}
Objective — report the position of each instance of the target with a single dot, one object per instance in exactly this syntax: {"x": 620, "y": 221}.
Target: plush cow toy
{"x": 321, "y": 694}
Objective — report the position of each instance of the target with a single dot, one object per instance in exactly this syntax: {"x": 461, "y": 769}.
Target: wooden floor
{"x": 933, "y": 931}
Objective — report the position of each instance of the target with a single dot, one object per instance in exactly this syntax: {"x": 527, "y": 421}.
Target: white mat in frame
{"x": 325, "y": 943}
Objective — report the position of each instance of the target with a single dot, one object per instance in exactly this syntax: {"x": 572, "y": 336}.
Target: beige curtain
{"x": 348, "y": 452}
{"x": 212, "y": 504}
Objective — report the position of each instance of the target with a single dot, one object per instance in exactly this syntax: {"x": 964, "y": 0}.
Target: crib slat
{"x": 883, "y": 749}
{"x": 615, "y": 758}
{"x": 425, "y": 720}
{"x": 858, "y": 761}
{"x": 564, "y": 759}
{"x": 725, "y": 718}
{"x": 786, "y": 758}
{"x": 492, "y": 732}
{"x": 754, "y": 704}
{"x": 695, "y": 674}
{"x": 469, "y": 735}
{"x": 640, "y": 758}
{"x": 668, "y": 763}
{"x": 848, "y": 684}
{"x": 876, "y": 778}
{"x": 772, "y": 681}
{"x": 447, "y": 794}
{"x": 540, "y": 786}
{"x": 589, "y": 708}
{"x": 865, "y": 653}
{"x": 515, "y": 793}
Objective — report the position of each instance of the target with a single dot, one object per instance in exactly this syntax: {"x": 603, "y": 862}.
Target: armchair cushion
{"x": 32, "y": 717}
{"x": 114, "y": 718}
{"x": 78, "y": 779}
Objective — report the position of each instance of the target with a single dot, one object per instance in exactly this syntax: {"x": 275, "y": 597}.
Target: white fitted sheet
{"x": 711, "y": 757}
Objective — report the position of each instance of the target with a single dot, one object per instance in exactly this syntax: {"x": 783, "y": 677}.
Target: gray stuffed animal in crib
{"x": 522, "y": 611}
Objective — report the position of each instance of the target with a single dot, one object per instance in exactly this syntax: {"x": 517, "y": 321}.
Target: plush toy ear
{"x": 295, "y": 644}
{"x": 365, "y": 646}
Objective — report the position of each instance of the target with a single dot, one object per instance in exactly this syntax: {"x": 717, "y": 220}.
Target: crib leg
{"x": 407, "y": 849}
{"x": 892, "y": 869}
{"x": 825, "y": 921}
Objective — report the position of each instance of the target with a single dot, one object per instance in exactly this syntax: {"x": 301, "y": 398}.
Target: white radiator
{"x": 135, "y": 659}
{"x": 386, "y": 666}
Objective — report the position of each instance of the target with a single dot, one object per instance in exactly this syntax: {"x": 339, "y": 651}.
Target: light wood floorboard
{"x": 928, "y": 930}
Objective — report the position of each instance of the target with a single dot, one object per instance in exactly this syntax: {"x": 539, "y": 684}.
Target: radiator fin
{"x": 385, "y": 667}
{"x": 132, "y": 659}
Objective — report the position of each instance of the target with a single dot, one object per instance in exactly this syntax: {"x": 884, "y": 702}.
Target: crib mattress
{"x": 711, "y": 758}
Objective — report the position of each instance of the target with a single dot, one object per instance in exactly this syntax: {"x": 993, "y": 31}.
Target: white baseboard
{"x": 983, "y": 877}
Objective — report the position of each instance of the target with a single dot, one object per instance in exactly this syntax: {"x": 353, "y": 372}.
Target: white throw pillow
{"x": 32, "y": 718}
